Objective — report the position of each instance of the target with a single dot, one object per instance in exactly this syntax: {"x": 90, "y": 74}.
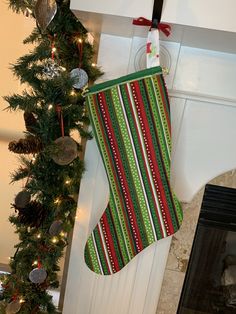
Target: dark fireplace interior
{"x": 210, "y": 281}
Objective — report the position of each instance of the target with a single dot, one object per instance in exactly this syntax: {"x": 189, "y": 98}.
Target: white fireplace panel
{"x": 206, "y": 72}
{"x": 205, "y": 146}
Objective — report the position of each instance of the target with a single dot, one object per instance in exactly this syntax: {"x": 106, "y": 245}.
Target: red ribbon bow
{"x": 164, "y": 28}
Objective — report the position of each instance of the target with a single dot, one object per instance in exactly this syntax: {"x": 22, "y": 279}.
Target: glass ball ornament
{"x": 22, "y": 199}
{"x": 80, "y": 76}
{"x": 66, "y": 151}
{"x": 38, "y": 275}
{"x": 55, "y": 228}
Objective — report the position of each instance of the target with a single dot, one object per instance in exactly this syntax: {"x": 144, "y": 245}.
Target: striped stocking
{"x": 130, "y": 117}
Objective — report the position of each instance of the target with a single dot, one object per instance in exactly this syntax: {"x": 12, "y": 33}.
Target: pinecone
{"x": 30, "y": 121}
{"x": 33, "y": 215}
{"x": 29, "y": 145}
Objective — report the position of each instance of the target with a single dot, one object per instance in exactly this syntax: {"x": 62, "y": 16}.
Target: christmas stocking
{"x": 130, "y": 117}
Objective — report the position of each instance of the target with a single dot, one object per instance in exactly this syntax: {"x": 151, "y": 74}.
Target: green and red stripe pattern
{"x": 130, "y": 118}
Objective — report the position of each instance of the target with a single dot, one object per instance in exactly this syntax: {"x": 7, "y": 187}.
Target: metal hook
{"x": 157, "y": 11}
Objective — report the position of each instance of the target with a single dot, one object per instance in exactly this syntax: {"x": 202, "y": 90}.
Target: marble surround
{"x": 181, "y": 247}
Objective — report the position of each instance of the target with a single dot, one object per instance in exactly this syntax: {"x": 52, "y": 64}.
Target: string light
{"x": 35, "y": 263}
{"x": 67, "y": 181}
{"x": 54, "y": 240}
{"x": 62, "y": 234}
{"x": 54, "y": 49}
{"x": 63, "y": 69}
{"x": 80, "y": 40}
{"x": 50, "y": 107}
{"x": 57, "y": 200}
{"x": 72, "y": 93}
{"x": 93, "y": 64}
{"x": 38, "y": 235}
{"x": 21, "y": 300}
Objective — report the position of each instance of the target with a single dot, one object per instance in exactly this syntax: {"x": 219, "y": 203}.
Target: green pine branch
{"x": 53, "y": 188}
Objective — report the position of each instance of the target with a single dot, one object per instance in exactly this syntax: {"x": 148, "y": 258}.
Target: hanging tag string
{"x": 60, "y": 118}
{"x": 15, "y": 297}
{"x": 52, "y": 39}
{"x": 53, "y": 50}
{"x": 163, "y": 27}
{"x": 39, "y": 263}
{"x": 80, "y": 47}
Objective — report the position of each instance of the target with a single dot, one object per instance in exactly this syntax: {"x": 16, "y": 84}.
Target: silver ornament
{"x": 13, "y": 307}
{"x": 38, "y": 275}
{"x": 22, "y": 199}
{"x": 55, "y": 228}
{"x": 51, "y": 69}
{"x": 45, "y": 10}
{"x": 80, "y": 76}
{"x": 66, "y": 151}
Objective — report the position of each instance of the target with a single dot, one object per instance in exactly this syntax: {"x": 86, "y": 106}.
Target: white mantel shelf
{"x": 115, "y": 17}
{"x": 210, "y": 14}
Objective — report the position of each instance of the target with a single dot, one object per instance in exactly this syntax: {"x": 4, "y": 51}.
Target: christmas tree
{"x": 55, "y": 73}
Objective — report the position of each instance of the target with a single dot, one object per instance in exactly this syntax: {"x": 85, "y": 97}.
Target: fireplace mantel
{"x": 209, "y": 24}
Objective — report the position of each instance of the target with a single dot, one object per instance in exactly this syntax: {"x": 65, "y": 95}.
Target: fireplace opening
{"x": 210, "y": 281}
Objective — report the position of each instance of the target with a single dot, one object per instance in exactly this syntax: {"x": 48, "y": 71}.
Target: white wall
{"x": 13, "y": 29}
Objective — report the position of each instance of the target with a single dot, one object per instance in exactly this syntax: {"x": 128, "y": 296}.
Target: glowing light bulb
{"x": 57, "y": 201}
{"x": 93, "y": 64}
{"x": 63, "y": 69}
{"x": 35, "y": 263}
{"x": 62, "y": 234}
{"x": 21, "y": 300}
{"x": 80, "y": 40}
{"x": 33, "y": 158}
{"x": 38, "y": 236}
{"x": 54, "y": 49}
{"x": 50, "y": 107}
{"x": 72, "y": 93}
{"x": 54, "y": 240}
{"x": 67, "y": 182}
